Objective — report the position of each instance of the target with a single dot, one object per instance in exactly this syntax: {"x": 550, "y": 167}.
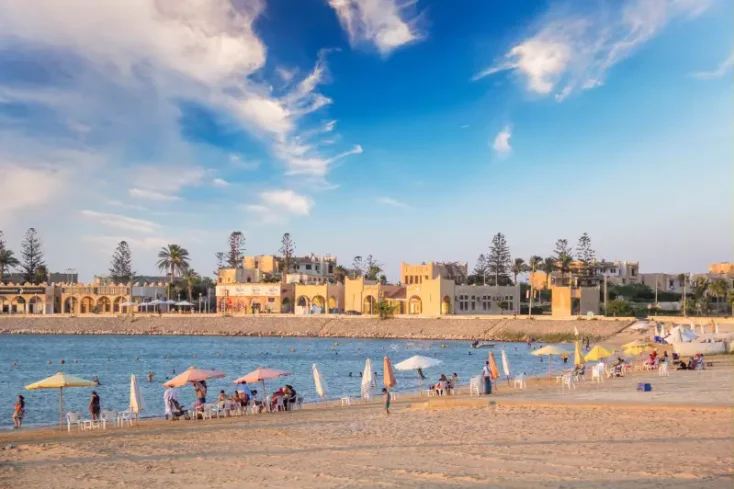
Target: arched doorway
{"x": 368, "y": 305}
{"x": 86, "y": 305}
{"x": 320, "y": 302}
{"x": 415, "y": 305}
{"x": 104, "y": 305}
{"x": 255, "y": 306}
{"x": 446, "y": 305}
{"x": 285, "y": 305}
{"x": 333, "y": 304}
{"x": 18, "y": 305}
{"x": 302, "y": 301}
{"x": 4, "y": 307}
{"x": 35, "y": 305}
{"x": 71, "y": 305}
{"x": 117, "y": 305}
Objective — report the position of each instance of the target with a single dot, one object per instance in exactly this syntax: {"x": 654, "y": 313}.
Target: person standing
{"x": 94, "y": 406}
{"x": 18, "y": 413}
{"x": 487, "y": 375}
{"x": 386, "y": 395}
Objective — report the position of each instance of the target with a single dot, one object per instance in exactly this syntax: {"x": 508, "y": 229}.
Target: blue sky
{"x": 411, "y": 130}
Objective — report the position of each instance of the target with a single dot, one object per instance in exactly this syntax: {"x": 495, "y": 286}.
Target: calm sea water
{"x": 114, "y": 358}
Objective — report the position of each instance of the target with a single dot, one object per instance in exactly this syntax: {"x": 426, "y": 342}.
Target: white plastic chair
{"x": 108, "y": 416}
{"x": 519, "y": 381}
{"x": 346, "y": 401}
{"x": 123, "y": 417}
{"x": 73, "y": 418}
{"x": 596, "y": 373}
{"x": 567, "y": 382}
{"x": 90, "y": 424}
{"x": 299, "y": 403}
{"x": 663, "y": 370}
{"x": 474, "y": 385}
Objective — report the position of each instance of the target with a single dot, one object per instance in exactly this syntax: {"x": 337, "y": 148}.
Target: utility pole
{"x": 532, "y": 275}
{"x": 605, "y": 295}
{"x": 684, "y": 297}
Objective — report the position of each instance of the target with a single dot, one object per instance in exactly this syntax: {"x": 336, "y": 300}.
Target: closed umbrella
{"x": 716, "y": 327}
{"x": 548, "y": 351}
{"x": 367, "y": 379}
{"x": 418, "y": 363}
{"x": 388, "y": 375}
{"x": 193, "y": 374}
{"x": 578, "y": 358}
{"x": 598, "y": 353}
{"x": 506, "y": 365}
{"x": 319, "y": 383}
{"x": 61, "y": 381}
{"x": 261, "y": 375}
{"x": 493, "y": 370}
{"x": 136, "y": 400}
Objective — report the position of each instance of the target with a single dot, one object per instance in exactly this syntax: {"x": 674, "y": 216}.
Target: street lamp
{"x": 199, "y": 302}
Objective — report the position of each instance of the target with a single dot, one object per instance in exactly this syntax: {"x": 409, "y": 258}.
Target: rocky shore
{"x": 444, "y": 328}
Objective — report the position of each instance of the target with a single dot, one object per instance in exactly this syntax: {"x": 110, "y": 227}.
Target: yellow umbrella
{"x": 59, "y": 381}
{"x": 597, "y": 353}
{"x": 635, "y": 343}
{"x": 549, "y": 351}
{"x": 636, "y": 350}
{"x": 578, "y": 357}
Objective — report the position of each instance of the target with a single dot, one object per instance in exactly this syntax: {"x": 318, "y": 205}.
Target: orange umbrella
{"x": 193, "y": 374}
{"x": 261, "y": 375}
{"x": 493, "y": 370}
{"x": 388, "y": 376}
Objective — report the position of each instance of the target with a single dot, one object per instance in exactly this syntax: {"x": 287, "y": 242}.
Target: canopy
{"x": 597, "y": 353}
{"x": 136, "y": 400}
{"x": 127, "y": 304}
{"x": 636, "y": 343}
{"x": 193, "y": 374}
{"x": 170, "y": 302}
{"x": 493, "y": 370}
{"x": 636, "y": 350}
{"x": 548, "y": 350}
{"x": 388, "y": 375}
{"x": 319, "y": 382}
{"x": 60, "y": 381}
{"x": 260, "y": 374}
{"x": 640, "y": 326}
{"x": 155, "y": 302}
{"x": 184, "y": 303}
{"x": 416, "y": 362}
{"x": 578, "y": 357}
{"x": 505, "y": 364}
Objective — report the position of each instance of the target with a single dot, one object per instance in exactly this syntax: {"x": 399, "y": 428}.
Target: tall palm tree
{"x": 717, "y": 289}
{"x": 175, "y": 259}
{"x": 8, "y": 261}
{"x": 340, "y": 273}
{"x": 190, "y": 279}
{"x": 564, "y": 265}
{"x": 518, "y": 267}
{"x": 549, "y": 266}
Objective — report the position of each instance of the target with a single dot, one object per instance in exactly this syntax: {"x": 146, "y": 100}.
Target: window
{"x": 317, "y": 268}
{"x": 634, "y": 272}
{"x": 485, "y": 303}
{"x": 331, "y": 268}
{"x": 256, "y": 264}
{"x": 308, "y": 267}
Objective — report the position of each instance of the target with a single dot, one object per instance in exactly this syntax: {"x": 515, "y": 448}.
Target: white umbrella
{"x": 170, "y": 302}
{"x": 640, "y": 326}
{"x": 127, "y": 304}
{"x": 184, "y": 303}
{"x": 155, "y": 302}
{"x": 319, "y": 383}
{"x": 506, "y": 365}
{"x": 418, "y": 363}
{"x": 367, "y": 379}
{"x": 136, "y": 400}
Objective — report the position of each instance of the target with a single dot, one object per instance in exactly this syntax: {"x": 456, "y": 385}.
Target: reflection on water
{"x": 114, "y": 358}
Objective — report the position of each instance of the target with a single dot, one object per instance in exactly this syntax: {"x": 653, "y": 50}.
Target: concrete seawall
{"x": 444, "y": 328}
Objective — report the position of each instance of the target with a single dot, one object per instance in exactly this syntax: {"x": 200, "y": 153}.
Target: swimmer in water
{"x": 350, "y": 374}
{"x": 96, "y": 380}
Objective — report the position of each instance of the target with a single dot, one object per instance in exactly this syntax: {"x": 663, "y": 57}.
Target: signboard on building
{"x": 248, "y": 290}
{"x": 22, "y": 290}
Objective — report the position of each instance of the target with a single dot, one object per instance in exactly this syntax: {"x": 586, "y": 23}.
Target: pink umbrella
{"x": 261, "y": 375}
{"x": 193, "y": 374}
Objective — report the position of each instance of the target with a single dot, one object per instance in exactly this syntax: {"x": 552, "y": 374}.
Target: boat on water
{"x": 482, "y": 344}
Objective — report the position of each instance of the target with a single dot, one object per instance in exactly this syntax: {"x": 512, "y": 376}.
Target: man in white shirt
{"x": 170, "y": 393}
{"x": 487, "y": 376}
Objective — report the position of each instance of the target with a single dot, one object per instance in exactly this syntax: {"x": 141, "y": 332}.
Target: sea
{"x": 27, "y": 359}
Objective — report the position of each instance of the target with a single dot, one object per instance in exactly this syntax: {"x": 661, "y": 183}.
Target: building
{"x": 28, "y": 299}
{"x": 572, "y": 301}
{"x": 486, "y": 299}
{"x": 240, "y": 276}
{"x": 100, "y": 280}
{"x": 724, "y": 268}
{"x": 664, "y": 282}
{"x": 325, "y": 298}
{"x": 310, "y": 269}
{"x": 255, "y": 298}
{"x": 416, "y": 274}
{"x": 108, "y": 299}
{"x": 53, "y": 277}
{"x": 615, "y": 272}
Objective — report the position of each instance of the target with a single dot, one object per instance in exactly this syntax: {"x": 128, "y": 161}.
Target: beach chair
{"x": 663, "y": 370}
{"x": 73, "y": 419}
{"x": 90, "y": 424}
{"x": 108, "y": 416}
{"x": 474, "y": 383}
{"x": 298, "y": 404}
{"x": 123, "y": 417}
{"x": 567, "y": 382}
{"x": 519, "y": 381}
{"x": 596, "y": 373}
{"x": 346, "y": 401}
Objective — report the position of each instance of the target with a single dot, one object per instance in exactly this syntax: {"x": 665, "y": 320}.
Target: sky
{"x": 409, "y": 130}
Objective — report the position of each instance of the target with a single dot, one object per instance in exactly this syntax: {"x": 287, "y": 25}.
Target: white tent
{"x": 418, "y": 363}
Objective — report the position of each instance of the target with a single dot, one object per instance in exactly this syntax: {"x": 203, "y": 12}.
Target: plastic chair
{"x": 663, "y": 370}
{"x": 108, "y": 416}
{"x": 596, "y": 373}
{"x": 567, "y": 382}
{"x": 73, "y": 418}
{"x": 519, "y": 381}
{"x": 123, "y": 417}
{"x": 474, "y": 385}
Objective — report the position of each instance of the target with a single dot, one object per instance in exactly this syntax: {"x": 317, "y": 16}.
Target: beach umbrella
{"x": 578, "y": 358}
{"x": 493, "y": 370}
{"x": 716, "y": 327}
{"x": 368, "y": 379}
{"x": 506, "y": 365}
{"x": 319, "y": 382}
{"x": 193, "y": 374}
{"x": 418, "y": 363}
{"x": 61, "y": 381}
{"x": 183, "y": 303}
{"x": 597, "y": 353}
{"x": 635, "y": 343}
{"x": 136, "y": 400}
{"x": 640, "y": 326}
{"x": 636, "y": 350}
{"x": 548, "y": 351}
{"x": 261, "y": 375}
{"x": 388, "y": 375}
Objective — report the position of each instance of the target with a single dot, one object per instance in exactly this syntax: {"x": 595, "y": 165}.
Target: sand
{"x": 679, "y": 436}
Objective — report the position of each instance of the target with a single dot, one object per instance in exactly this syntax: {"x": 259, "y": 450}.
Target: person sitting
{"x": 289, "y": 398}
{"x": 222, "y": 399}
{"x": 279, "y": 394}
{"x": 579, "y": 370}
{"x": 687, "y": 366}
{"x": 442, "y": 386}
{"x": 177, "y": 411}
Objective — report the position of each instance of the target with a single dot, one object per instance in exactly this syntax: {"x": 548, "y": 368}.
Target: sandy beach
{"x": 681, "y": 435}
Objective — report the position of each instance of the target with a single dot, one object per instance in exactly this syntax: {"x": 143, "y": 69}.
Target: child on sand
{"x": 386, "y": 395}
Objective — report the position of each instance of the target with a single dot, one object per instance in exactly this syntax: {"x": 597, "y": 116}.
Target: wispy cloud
{"x": 575, "y": 52}
{"x": 391, "y": 202}
{"x": 241, "y": 163}
{"x": 501, "y": 143}
{"x": 387, "y": 24}
{"x": 145, "y": 243}
{"x": 721, "y": 70}
{"x": 287, "y": 200}
{"x": 121, "y": 222}
{"x": 220, "y": 182}
{"x": 141, "y": 193}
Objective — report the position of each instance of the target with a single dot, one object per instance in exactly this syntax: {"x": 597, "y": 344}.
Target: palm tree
{"x": 8, "y": 261}
{"x": 518, "y": 267}
{"x": 340, "y": 273}
{"x": 173, "y": 258}
{"x": 564, "y": 265}
{"x": 190, "y": 279}
{"x": 549, "y": 266}
{"x": 718, "y": 288}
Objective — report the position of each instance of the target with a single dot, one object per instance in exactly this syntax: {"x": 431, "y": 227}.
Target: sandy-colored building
{"x": 323, "y": 298}
{"x": 239, "y": 276}
{"x": 28, "y": 298}
{"x": 416, "y": 274}
{"x": 309, "y": 269}
{"x": 431, "y": 297}
{"x": 616, "y": 273}
{"x": 108, "y": 299}
{"x": 486, "y": 299}
{"x": 564, "y": 305}
{"x": 255, "y": 298}
{"x": 268, "y": 264}
{"x": 724, "y": 268}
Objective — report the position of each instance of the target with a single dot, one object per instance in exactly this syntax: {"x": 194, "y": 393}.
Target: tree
{"x": 236, "y": 249}
{"x": 549, "y": 266}
{"x": 371, "y": 268}
{"x": 287, "y": 248}
{"x": 340, "y": 273}
{"x": 518, "y": 266}
{"x": 480, "y": 269}
{"x": 535, "y": 263}
{"x": 357, "y": 266}
{"x": 190, "y": 279}
{"x": 220, "y": 262}
{"x": 718, "y": 288}
{"x": 618, "y": 307}
{"x": 30, "y": 251}
{"x": 121, "y": 270}
{"x": 385, "y": 309}
{"x": 173, "y": 258}
{"x": 498, "y": 260}
{"x": 8, "y": 261}
{"x": 563, "y": 258}
{"x": 585, "y": 254}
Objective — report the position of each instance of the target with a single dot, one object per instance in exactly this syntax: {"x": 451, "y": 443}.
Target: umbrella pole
{"x": 61, "y": 408}
{"x": 550, "y": 363}
{"x": 420, "y": 384}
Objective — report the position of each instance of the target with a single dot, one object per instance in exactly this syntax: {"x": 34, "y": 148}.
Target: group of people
{"x": 445, "y": 385}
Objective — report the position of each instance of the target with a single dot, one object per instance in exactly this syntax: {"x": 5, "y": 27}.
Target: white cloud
{"x": 121, "y": 222}
{"x": 299, "y": 162}
{"x": 239, "y": 163}
{"x": 220, "y": 182}
{"x": 501, "y": 142}
{"x": 721, "y": 70}
{"x": 23, "y": 187}
{"x": 568, "y": 53}
{"x": 285, "y": 74}
{"x": 287, "y": 200}
{"x": 141, "y": 193}
{"x": 384, "y": 23}
{"x": 391, "y": 202}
